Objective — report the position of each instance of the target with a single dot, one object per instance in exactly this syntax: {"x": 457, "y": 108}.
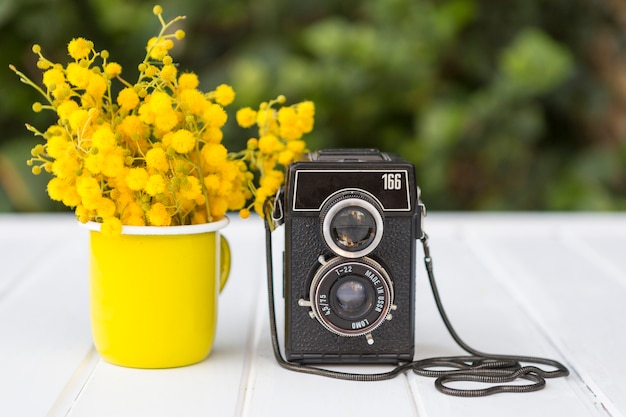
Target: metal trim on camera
{"x": 352, "y": 225}
{"x": 351, "y": 297}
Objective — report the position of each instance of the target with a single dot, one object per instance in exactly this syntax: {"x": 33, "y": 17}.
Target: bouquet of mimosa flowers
{"x": 151, "y": 152}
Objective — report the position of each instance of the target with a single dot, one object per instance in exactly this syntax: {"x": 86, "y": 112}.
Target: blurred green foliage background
{"x": 502, "y": 105}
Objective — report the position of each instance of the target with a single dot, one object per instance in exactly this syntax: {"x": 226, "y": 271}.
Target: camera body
{"x": 352, "y": 220}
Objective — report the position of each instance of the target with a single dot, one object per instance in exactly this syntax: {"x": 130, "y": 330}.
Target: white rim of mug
{"x": 165, "y": 230}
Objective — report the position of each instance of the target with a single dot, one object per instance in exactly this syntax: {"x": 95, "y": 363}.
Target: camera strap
{"x": 497, "y": 371}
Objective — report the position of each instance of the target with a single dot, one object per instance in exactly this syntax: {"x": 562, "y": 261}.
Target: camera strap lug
{"x": 273, "y": 210}
{"x": 421, "y": 214}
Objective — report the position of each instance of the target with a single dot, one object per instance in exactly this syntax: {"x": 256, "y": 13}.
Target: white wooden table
{"x": 535, "y": 284}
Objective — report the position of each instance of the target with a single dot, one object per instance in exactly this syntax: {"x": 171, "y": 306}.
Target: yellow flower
{"x": 224, "y": 94}
{"x": 128, "y": 98}
{"x": 97, "y": 86}
{"x": 112, "y": 69}
{"x": 306, "y": 109}
{"x": 252, "y": 144}
{"x": 151, "y": 71}
{"x": 290, "y": 132}
{"x": 134, "y": 220}
{"x": 103, "y": 138}
{"x": 94, "y": 163}
{"x": 212, "y": 183}
{"x": 269, "y": 144}
{"x": 160, "y": 102}
{"x": 183, "y": 141}
{"x": 214, "y": 154}
{"x": 262, "y": 194}
{"x": 66, "y": 166}
{"x": 286, "y": 157}
{"x": 215, "y": 116}
{"x": 133, "y": 128}
{"x": 166, "y": 121}
{"x": 188, "y": 81}
{"x": 199, "y": 217}
{"x": 78, "y": 75}
{"x": 168, "y": 73}
{"x": 88, "y": 187}
{"x": 296, "y": 146}
{"x": 306, "y": 113}
{"x": 152, "y": 153}
{"x": 246, "y": 117}
{"x": 155, "y": 185}
{"x": 57, "y": 188}
{"x": 105, "y": 208}
{"x": 244, "y": 213}
{"x": 236, "y": 200}
{"x": 113, "y": 163}
{"x": 137, "y": 178}
{"x": 272, "y": 181}
{"x": 56, "y": 146}
{"x": 53, "y": 77}
{"x": 287, "y": 115}
{"x": 83, "y": 214}
{"x": 111, "y": 226}
{"x": 193, "y": 101}
{"x": 158, "y": 48}
{"x": 79, "y": 48}
{"x": 265, "y": 118}
{"x": 191, "y": 189}
{"x": 156, "y": 159}
{"x": 218, "y": 207}
{"x": 71, "y": 197}
{"x": 158, "y": 215}
{"x": 78, "y": 121}
{"x": 212, "y": 135}
{"x": 65, "y": 109}
{"x": 132, "y": 214}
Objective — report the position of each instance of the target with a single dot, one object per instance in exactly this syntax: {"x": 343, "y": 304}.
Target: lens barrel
{"x": 352, "y": 225}
{"x": 351, "y": 297}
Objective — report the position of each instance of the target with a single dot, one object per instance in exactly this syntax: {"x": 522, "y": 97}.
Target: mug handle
{"x": 224, "y": 261}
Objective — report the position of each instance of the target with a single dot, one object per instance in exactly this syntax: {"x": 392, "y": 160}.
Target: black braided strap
{"x": 479, "y": 367}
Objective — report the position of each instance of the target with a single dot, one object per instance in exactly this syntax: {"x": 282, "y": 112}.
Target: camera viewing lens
{"x": 352, "y": 225}
{"x": 352, "y": 298}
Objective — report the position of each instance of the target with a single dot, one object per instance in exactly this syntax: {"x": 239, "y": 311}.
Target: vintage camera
{"x": 352, "y": 220}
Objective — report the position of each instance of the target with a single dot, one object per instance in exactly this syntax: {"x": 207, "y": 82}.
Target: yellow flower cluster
{"x": 278, "y": 144}
{"x": 151, "y": 153}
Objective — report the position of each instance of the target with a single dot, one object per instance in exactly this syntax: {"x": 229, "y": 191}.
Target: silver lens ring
{"x": 362, "y": 207}
{"x": 371, "y": 279}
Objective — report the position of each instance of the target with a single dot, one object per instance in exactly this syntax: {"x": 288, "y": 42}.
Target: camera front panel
{"x": 351, "y": 233}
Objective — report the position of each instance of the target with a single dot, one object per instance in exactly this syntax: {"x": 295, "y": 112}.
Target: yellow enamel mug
{"x": 153, "y": 293}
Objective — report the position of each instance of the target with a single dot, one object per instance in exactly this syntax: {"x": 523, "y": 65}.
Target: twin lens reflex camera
{"x": 352, "y": 221}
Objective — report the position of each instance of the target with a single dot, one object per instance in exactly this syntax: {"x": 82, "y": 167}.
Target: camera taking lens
{"x": 351, "y": 297}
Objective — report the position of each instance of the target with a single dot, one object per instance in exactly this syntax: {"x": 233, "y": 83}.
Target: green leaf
{"x": 534, "y": 63}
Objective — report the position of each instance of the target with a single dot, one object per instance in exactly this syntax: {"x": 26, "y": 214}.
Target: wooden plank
{"x": 24, "y": 239}
{"x": 577, "y": 297}
{"x": 490, "y": 319}
{"x": 43, "y": 311}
